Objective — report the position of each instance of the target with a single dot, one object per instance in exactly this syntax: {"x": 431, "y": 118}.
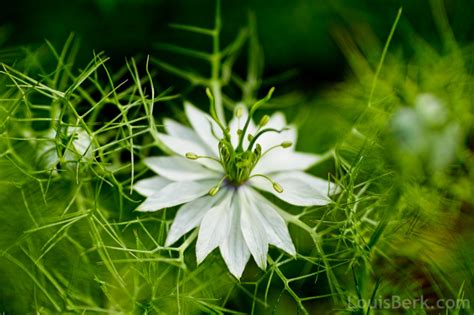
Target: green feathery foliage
{"x": 73, "y": 140}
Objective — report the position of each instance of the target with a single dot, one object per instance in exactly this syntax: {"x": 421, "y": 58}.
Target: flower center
{"x": 238, "y": 165}
{"x": 238, "y": 162}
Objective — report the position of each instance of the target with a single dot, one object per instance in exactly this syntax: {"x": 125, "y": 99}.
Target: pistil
{"x": 238, "y": 163}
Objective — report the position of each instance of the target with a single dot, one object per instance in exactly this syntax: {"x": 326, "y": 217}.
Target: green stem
{"x": 261, "y": 133}
{"x": 216, "y": 86}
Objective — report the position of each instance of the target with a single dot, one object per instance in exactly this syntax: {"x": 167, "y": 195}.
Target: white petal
{"x": 178, "y": 130}
{"x": 178, "y": 168}
{"x": 277, "y": 121}
{"x": 253, "y": 230}
{"x": 80, "y": 145}
{"x": 214, "y": 227}
{"x": 188, "y": 217}
{"x": 182, "y": 146}
{"x": 299, "y": 188}
{"x": 275, "y": 225}
{"x": 270, "y": 139}
{"x": 176, "y": 193}
{"x": 239, "y": 123}
{"x": 82, "y": 141}
{"x": 205, "y": 127}
{"x": 149, "y": 186}
{"x": 280, "y": 160}
{"x": 46, "y": 151}
{"x": 233, "y": 248}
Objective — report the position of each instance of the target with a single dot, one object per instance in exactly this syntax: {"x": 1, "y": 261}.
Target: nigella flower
{"x": 75, "y": 145}
{"x": 217, "y": 175}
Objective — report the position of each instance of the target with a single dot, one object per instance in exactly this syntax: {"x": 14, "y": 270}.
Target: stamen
{"x": 239, "y": 112}
{"x": 249, "y": 118}
{"x": 284, "y": 145}
{"x": 261, "y": 132}
{"x": 238, "y": 163}
{"x": 277, "y": 187}
{"x": 194, "y": 156}
{"x": 214, "y": 190}
{"x": 214, "y": 115}
{"x": 264, "y": 121}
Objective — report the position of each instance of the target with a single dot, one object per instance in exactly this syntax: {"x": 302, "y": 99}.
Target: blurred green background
{"x": 294, "y": 34}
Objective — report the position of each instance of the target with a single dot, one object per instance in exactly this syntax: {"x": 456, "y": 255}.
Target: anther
{"x": 277, "y": 187}
{"x": 286, "y": 144}
{"x": 192, "y": 156}
{"x": 239, "y": 111}
{"x": 213, "y": 191}
{"x": 264, "y": 120}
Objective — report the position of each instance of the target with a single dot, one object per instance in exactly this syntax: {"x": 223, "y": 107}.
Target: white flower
{"x": 75, "y": 145}
{"x": 218, "y": 181}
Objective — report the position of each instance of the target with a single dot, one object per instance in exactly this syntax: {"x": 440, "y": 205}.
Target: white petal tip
{"x": 167, "y": 121}
{"x": 262, "y": 264}
{"x": 236, "y": 273}
{"x": 288, "y": 248}
{"x": 188, "y": 104}
{"x": 189, "y": 108}
{"x": 292, "y": 253}
{"x": 200, "y": 256}
{"x": 169, "y": 241}
{"x": 199, "y": 259}
{"x": 334, "y": 189}
{"x": 144, "y": 210}
{"x": 145, "y": 207}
